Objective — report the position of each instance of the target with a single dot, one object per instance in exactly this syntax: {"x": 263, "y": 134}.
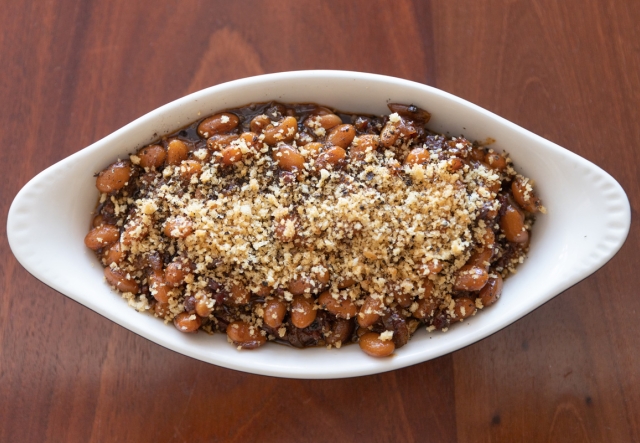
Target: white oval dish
{"x": 587, "y": 222}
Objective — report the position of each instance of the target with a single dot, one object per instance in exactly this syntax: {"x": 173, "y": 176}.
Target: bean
{"x": 177, "y": 151}
{"x": 331, "y": 159}
{"x": 512, "y": 224}
{"x": 481, "y": 258}
{"x": 341, "y": 308}
{"x": 464, "y": 308}
{"x": 186, "y": 322}
{"x": 410, "y": 111}
{"x": 344, "y": 283}
{"x": 230, "y": 155}
{"x": 274, "y": 312}
{"x": 363, "y": 124}
{"x": 389, "y": 135}
{"x": 340, "y": 332}
{"x": 477, "y": 153}
{"x": 178, "y": 227}
{"x": 175, "y": 273}
{"x": 121, "y": 281}
{"x": 326, "y": 121}
{"x": 264, "y": 291}
{"x": 203, "y": 155}
{"x": 395, "y": 290}
{"x": 276, "y": 111}
{"x": 154, "y": 261}
{"x": 371, "y": 344}
{"x": 488, "y": 238}
{"x": 407, "y": 130}
{"x": 321, "y": 277}
{"x": 240, "y": 295}
{"x": 300, "y": 285}
{"x": 363, "y": 144}
{"x": 302, "y": 312}
{"x": 455, "y": 164}
{"x": 244, "y": 335}
{"x": 435, "y": 266}
{"x": 491, "y": 291}
{"x": 152, "y": 156}
{"x": 489, "y": 212}
{"x": 217, "y": 124}
{"x": 432, "y": 267}
{"x": 495, "y": 161}
{"x": 252, "y": 141}
{"x": 322, "y": 110}
{"x": 284, "y": 132}
{"x": 158, "y": 287}
{"x": 304, "y": 138}
{"x": 97, "y": 221}
{"x": 493, "y": 186}
{"x": 428, "y": 288}
{"x": 114, "y": 177}
{"x": 220, "y": 141}
{"x": 394, "y": 167}
{"x": 459, "y": 147}
{"x": 393, "y": 321}
{"x": 204, "y": 307}
{"x": 161, "y": 309}
{"x": 259, "y": 122}
{"x": 221, "y": 297}
{"x": 470, "y": 278}
{"x": 189, "y": 304}
{"x": 313, "y": 149}
{"x": 288, "y": 158}
{"x": 341, "y": 135}
{"x": 403, "y": 299}
{"x": 286, "y": 229}
{"x": 426, "y": 307}
{"x": 417, "y": 156}
{"x": 366, "y": 285}
{"x": 189, "y": 168}
{"x": 370, "y": 312}
{"x": 103, "y": 235}
{"x": 524, "y": 196}
{"x": 134, "y": 231}
{"x": 113, "y": 254}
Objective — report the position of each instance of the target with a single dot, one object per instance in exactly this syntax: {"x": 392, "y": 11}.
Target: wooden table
{"x": 74, "y": 71}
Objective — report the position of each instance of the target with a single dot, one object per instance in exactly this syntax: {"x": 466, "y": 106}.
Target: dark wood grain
{"x": 74, "y": 71}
